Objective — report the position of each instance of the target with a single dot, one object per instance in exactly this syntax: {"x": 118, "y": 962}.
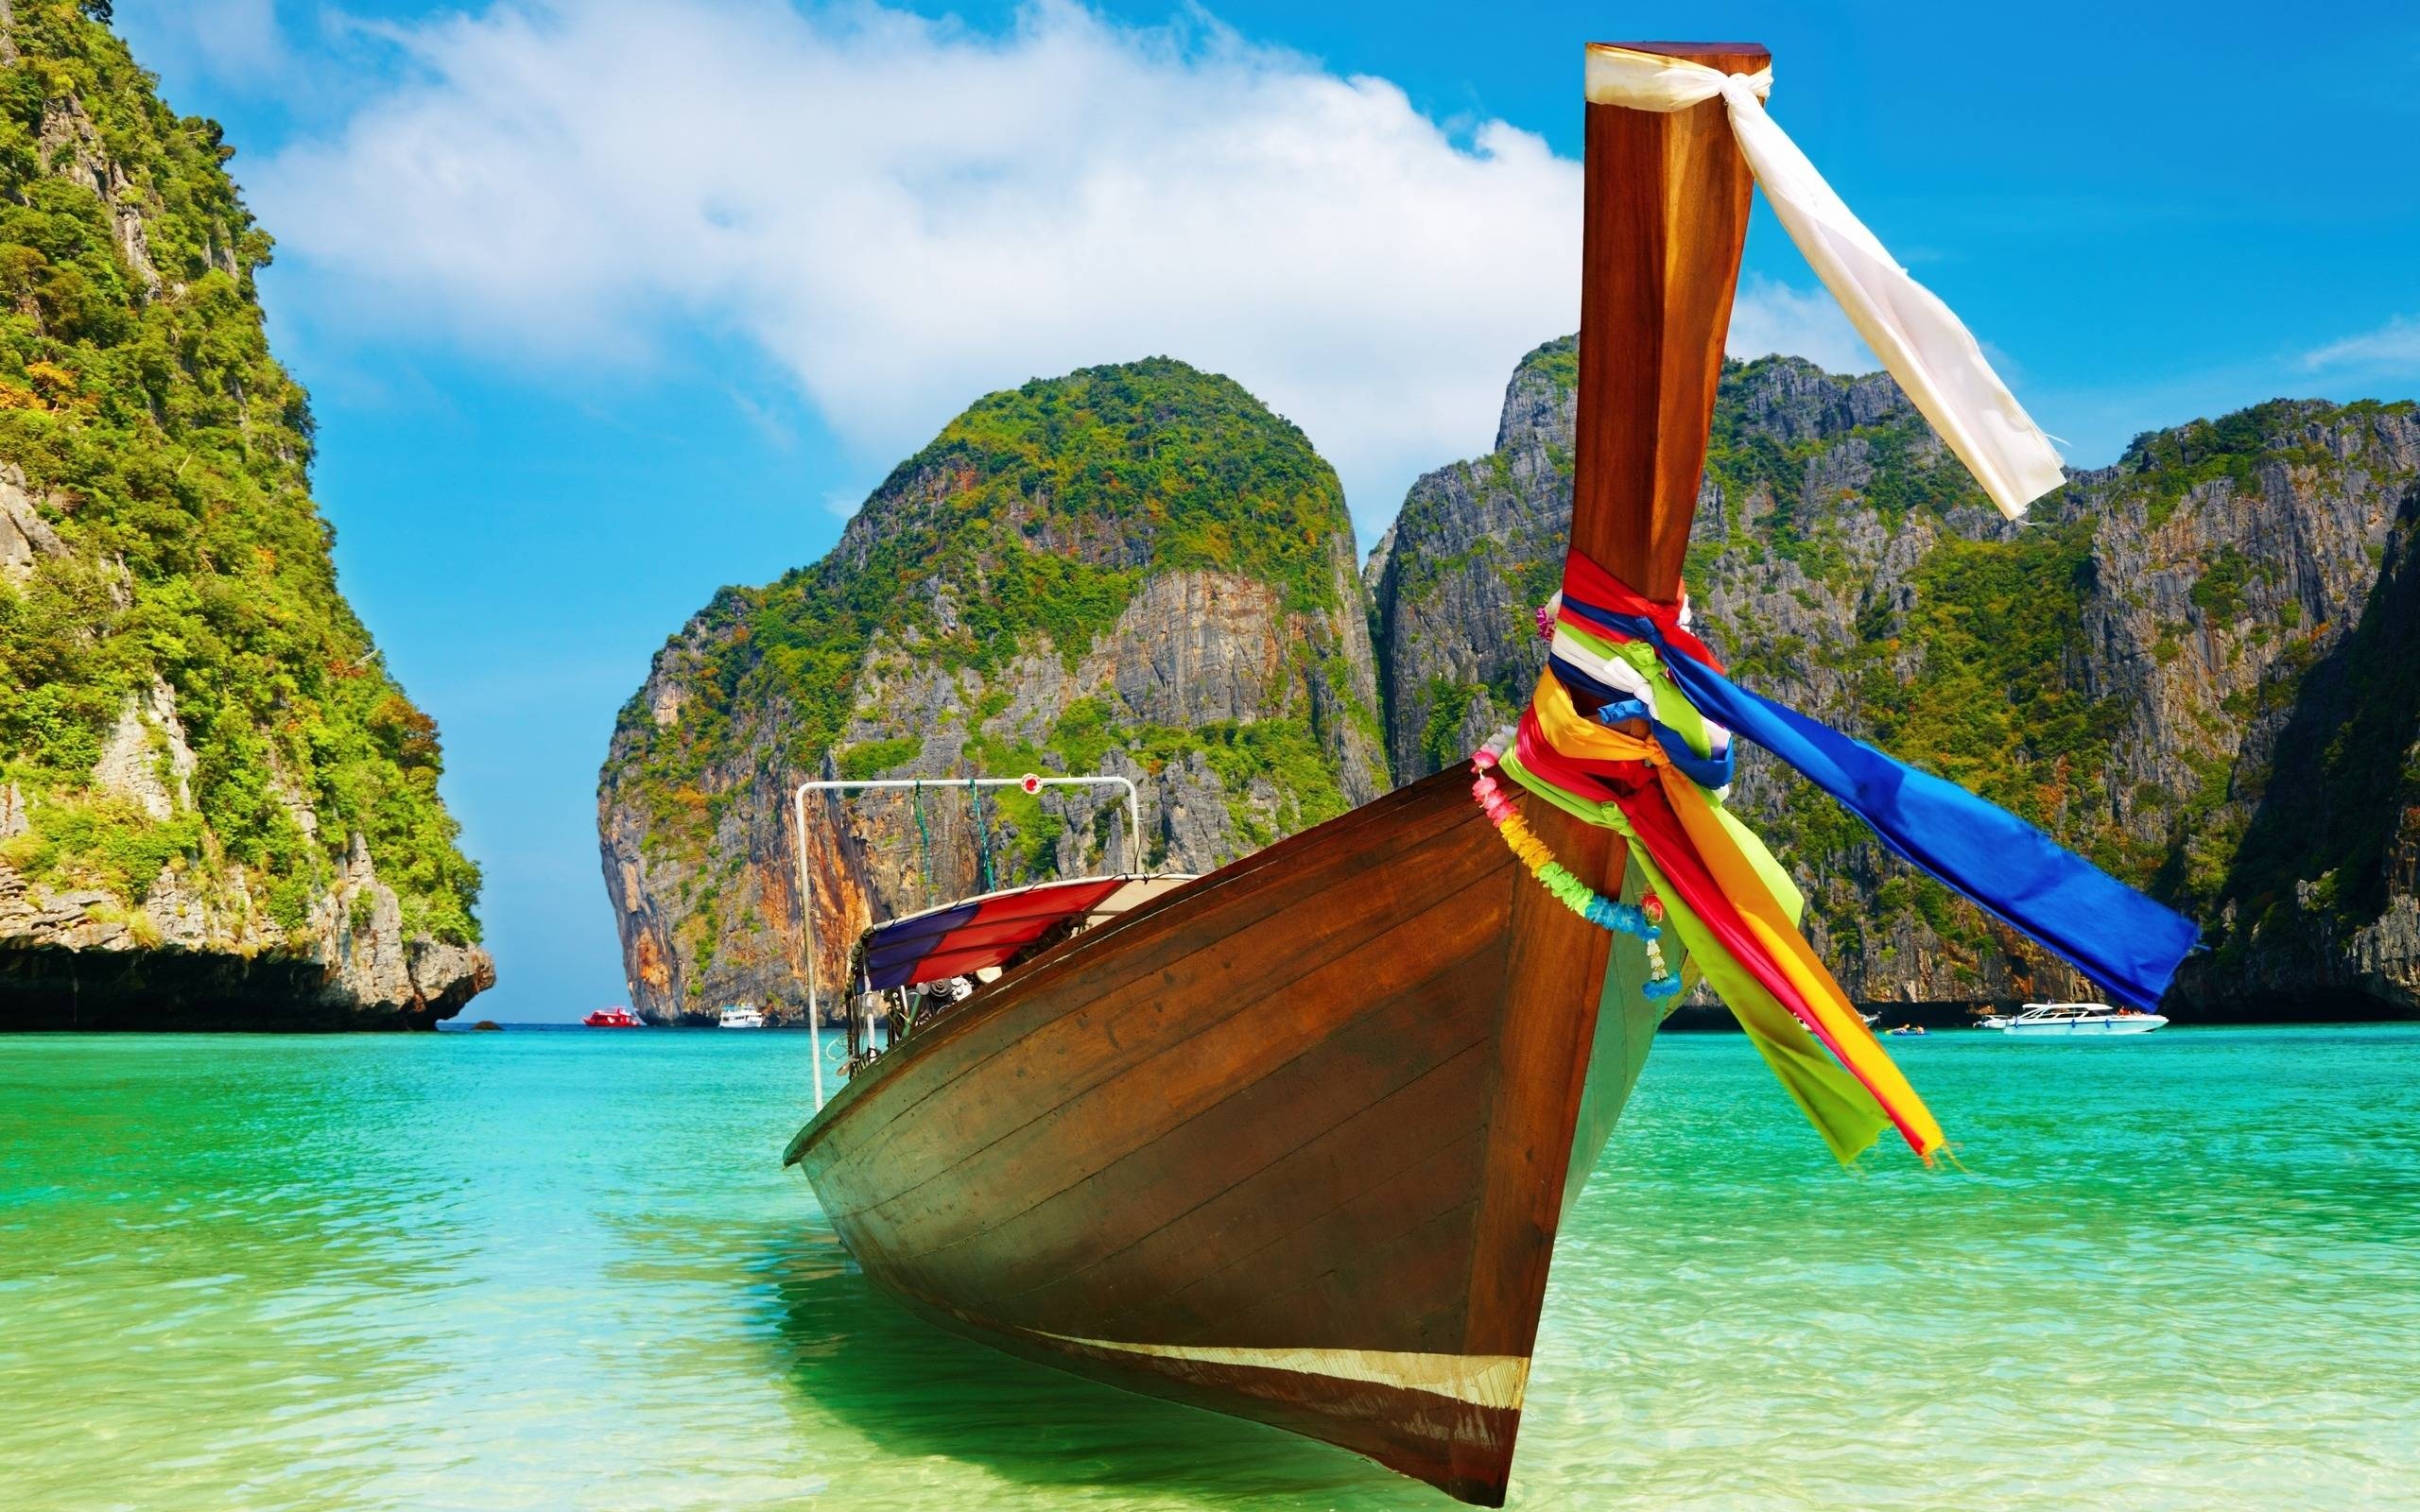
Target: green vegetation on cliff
{"x": 1038, "y": 512}
{"x": 1135, "y": 569}
{"x": 164, "y": 457}
{"x": 1990, "y": 706}
{"x": 1974, "y": 675}
{"x": 2155, "y": 666}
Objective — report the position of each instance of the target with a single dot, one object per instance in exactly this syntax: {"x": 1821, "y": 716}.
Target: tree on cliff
{"x": 199, "y": 742}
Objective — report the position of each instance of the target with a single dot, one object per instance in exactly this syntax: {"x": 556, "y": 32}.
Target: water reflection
{"x": 916, "y": 1392}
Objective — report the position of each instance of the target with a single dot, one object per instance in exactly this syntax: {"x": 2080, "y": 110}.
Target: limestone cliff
{"x": 2195, "y": 665}
{"x": 1134, "y": 570}
{"x": 217, "y": 808}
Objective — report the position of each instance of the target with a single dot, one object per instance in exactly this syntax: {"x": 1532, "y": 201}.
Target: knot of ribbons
{"x": 1653, "y": 762}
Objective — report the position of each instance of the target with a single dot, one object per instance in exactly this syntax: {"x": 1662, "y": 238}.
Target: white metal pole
{"x": 807, "y": 880}
{"x": 806, "y": 919}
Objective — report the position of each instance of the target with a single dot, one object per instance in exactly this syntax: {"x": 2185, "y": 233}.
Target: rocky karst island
{"x": 1136, "y": 570}
{"x": 2184, "y": 666}
{"x": 218, "y": 809}
{"x": 1139, "y": 570}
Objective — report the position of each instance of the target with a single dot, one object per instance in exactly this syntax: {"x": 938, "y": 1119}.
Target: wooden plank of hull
{"x": 1259, "y": 1175}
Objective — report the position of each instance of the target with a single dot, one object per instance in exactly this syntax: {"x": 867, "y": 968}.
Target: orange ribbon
{"x": 1721, "y": 844}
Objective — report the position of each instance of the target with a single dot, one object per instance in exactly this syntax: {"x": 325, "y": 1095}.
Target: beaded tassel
{"x": 1661, "y": 983}
{"x": 1640, "y": 921}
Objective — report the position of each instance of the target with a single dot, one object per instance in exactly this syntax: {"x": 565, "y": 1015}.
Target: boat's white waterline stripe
{"x": 1481, "y": 1380}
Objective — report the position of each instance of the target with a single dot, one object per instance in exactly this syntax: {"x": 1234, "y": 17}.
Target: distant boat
{"x": 612, "y": 1018}
{"x": 2075, "y": 1018}
{"x": 741, "y": 1016}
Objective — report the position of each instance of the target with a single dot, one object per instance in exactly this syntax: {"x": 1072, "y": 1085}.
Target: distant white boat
{"x": 740, "y": 1016}
{"x": 2075, "y": 1019}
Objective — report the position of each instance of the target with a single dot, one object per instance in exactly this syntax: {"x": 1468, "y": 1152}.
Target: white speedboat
{"x": 2075, "y": 1018}
{"x": 741, "y": 1016}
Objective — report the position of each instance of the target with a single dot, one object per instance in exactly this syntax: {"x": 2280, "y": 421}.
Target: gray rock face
{"x": 194, "y": 955}
{"x": 1241, "y": 707}
{"x": 123, "y": 903}
{"x": 1457, "y": 578}
{"x": 26, "y": 537}
{"x": 209, "y": 955}
{"x": 2155, "y": 666}
{"x": 1191, "y": 650}
{"x": 146, "y": 760}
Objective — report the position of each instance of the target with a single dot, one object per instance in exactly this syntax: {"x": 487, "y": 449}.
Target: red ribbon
{"x": 1585, "y": 582}
{"x": 1660, "y": 830}
{"x": 1572, "y": 776}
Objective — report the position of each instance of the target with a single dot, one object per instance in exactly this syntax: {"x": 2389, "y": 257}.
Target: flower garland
{"x": 1642, "y": 920}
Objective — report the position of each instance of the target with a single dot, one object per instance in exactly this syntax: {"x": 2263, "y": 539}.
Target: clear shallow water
{"x": 563, "y": 1270}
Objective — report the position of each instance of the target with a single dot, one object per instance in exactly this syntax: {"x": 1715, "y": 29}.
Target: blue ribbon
{"x": 1708, "y": 772}
{"x": 2127, "y": 942}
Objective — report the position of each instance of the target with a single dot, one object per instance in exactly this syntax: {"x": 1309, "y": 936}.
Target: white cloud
{"x": 236, "y": 42}
{"x": 1770, "y": 317}
{"x": 906, "y": 214}
{"x": 2394, "y": 345}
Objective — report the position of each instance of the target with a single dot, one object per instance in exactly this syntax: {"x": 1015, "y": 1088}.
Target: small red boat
{"x": 612, "y": 1018}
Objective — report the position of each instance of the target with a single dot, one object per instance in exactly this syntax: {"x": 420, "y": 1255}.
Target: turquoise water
{"x": 563, "y": 1269}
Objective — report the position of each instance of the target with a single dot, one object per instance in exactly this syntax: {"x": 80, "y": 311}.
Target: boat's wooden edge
{"x": 1071, "y": 955}
{"x": 1259, "y": 1395}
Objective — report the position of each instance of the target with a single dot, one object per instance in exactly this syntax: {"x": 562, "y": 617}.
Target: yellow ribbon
{"x": 1770, "y": 905}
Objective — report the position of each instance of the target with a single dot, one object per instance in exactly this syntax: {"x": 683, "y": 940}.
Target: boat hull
{"x": 2087, "y": 1028}
{"x": 1290, "y": 1143}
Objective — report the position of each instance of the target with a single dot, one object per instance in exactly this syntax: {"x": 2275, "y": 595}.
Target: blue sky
{"x": 605, "y": 305}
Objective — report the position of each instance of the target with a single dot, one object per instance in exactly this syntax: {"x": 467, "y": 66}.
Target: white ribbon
{"x": 1933, "y": 356}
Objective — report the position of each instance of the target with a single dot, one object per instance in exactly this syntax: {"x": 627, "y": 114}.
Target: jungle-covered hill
{"x": 2200, "y": 666}
{"x": 1135, "y": 568}
{"x": 2196, "y": 665}
{"x": 216, "y": 807}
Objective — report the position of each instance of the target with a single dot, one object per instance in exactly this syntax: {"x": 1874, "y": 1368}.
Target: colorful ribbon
{"x": 1639, "y": 921}
{"x": 2114, "y": 935}
{"x": 1653, "y": 763}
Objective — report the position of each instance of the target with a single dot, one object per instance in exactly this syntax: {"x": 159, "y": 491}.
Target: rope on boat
{"x": 924, "y": 841}
{"x": 982, "y": 836}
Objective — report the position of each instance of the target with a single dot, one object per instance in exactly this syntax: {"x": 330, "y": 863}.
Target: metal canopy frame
{"x": 1030, "y": 782}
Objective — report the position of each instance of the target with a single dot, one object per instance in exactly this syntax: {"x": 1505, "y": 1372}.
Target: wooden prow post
{"x": 1665, "y": 221}
{"x": 1665, "y": 218}
{"x": 1667, "y": 215}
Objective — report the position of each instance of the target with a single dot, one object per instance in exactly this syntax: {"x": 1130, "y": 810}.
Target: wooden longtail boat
{"x": 1292, "y": 1141}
